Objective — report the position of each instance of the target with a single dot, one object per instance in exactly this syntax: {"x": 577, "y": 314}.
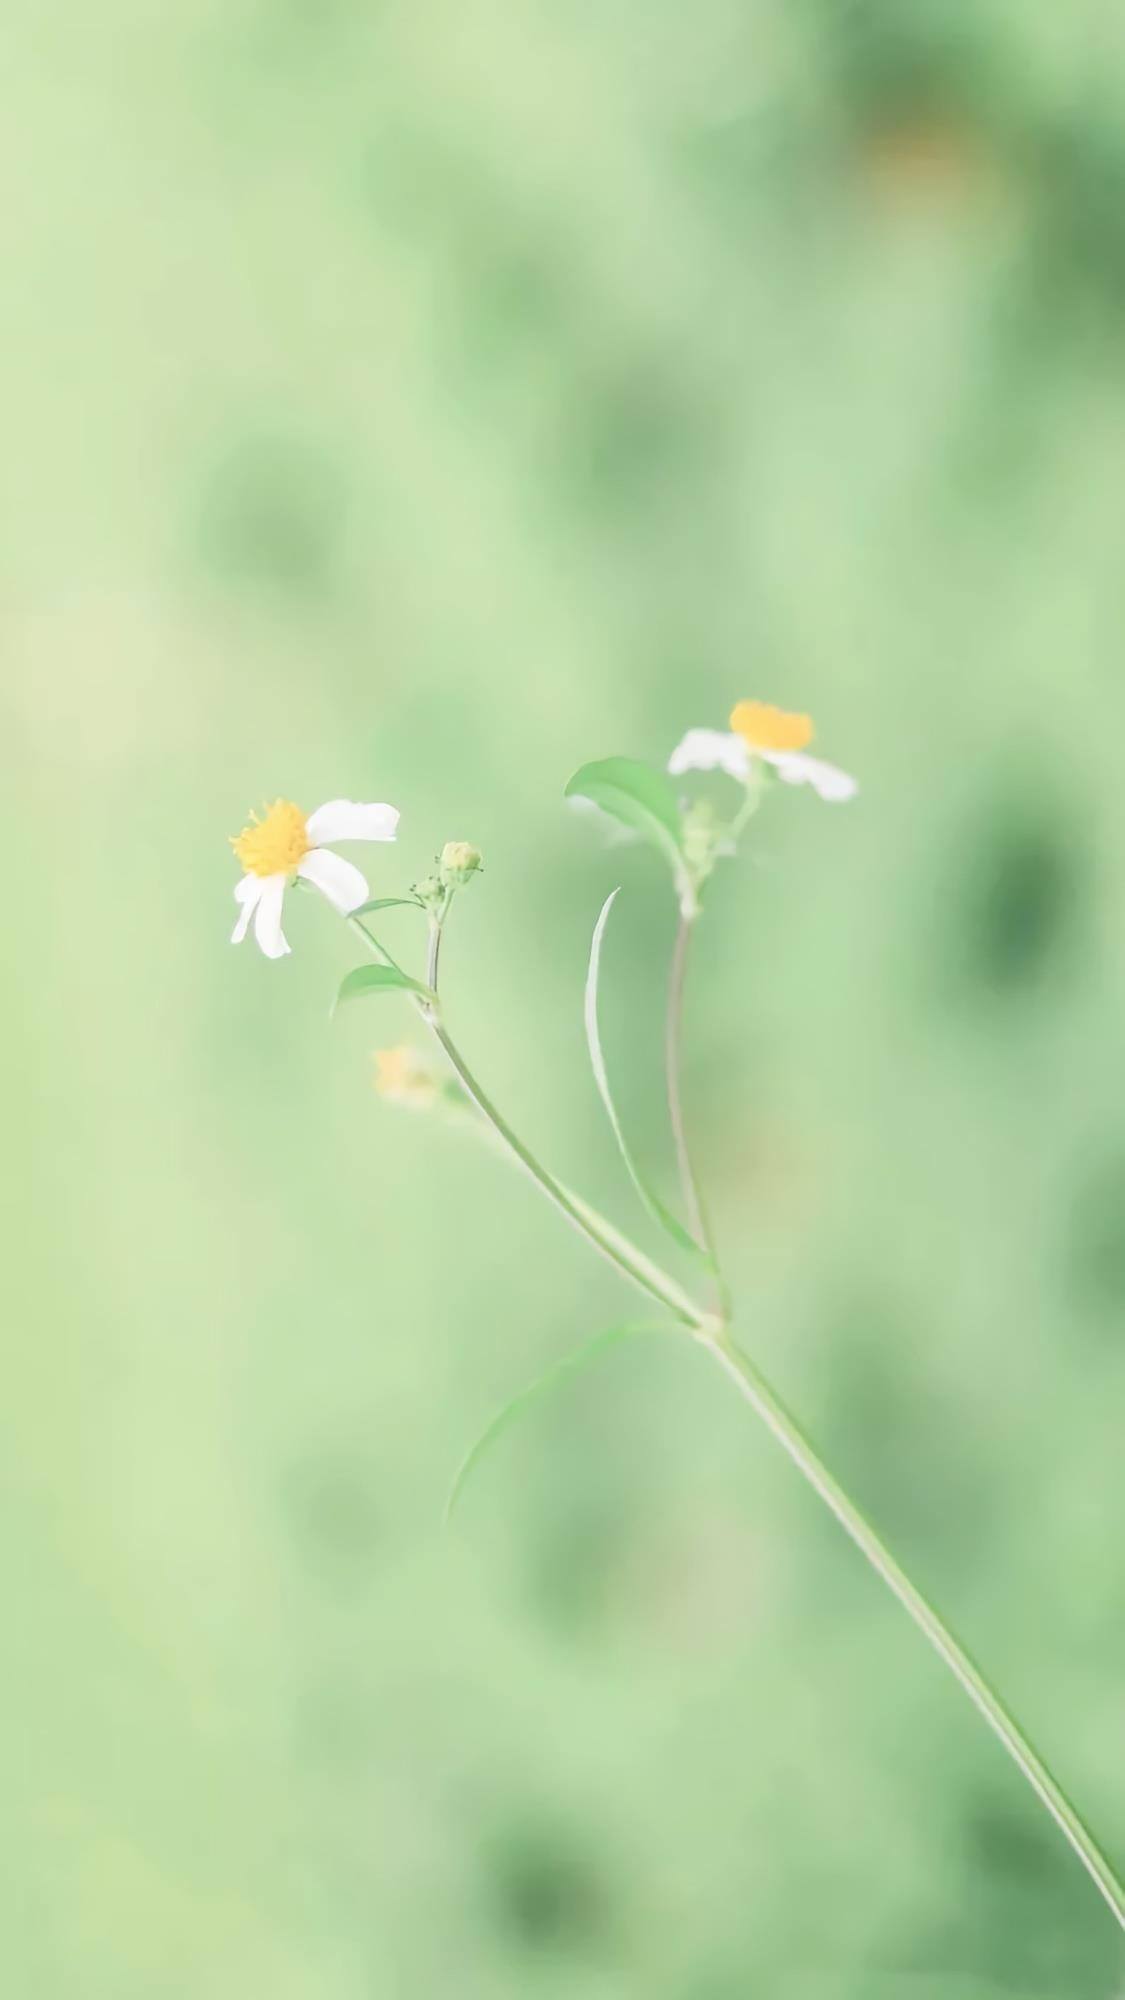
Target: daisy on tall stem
{"x": 762, "y": 748}
{"x": 286, "y": 846}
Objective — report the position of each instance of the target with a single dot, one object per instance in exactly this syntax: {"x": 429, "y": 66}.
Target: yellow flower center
{"x": 764, "y": 728}
{"x": 275, "y": 844}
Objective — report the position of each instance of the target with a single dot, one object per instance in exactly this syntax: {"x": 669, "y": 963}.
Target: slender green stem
{"x": 756, "y": 778}
{"x": 699, "y": 1221}
{"x": 612, "y": 1245}
{"x": 714, "y": 1335}
{"x": 673, "y": 1029}
{"x": 607, "y": 1239}
{"x": 752, "y": 1385}
{"x": 437, "y": 923}
{"x": 372, "y": 942}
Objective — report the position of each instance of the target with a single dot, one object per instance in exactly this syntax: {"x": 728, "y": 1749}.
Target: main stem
{"x": 673, "y": 1030}
{"x": 752, "y": 1385}
{"x": 699, "y": 1221}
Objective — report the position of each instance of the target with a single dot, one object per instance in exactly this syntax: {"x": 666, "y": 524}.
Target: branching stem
{"x": 608, "y": 1240}
{"x": 713, "y": 1334}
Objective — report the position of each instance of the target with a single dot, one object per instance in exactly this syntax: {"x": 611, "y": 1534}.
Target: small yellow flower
{"x": 401, "y": 1076}
{"x": 287, "y": 843}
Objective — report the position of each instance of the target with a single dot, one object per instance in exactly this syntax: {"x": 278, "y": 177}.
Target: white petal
{"x": 710, "y": 750}
{"x": 339, "y": 880}
{"x": 796, "y": 769}
{"x": 342, "y": 819}
{"x": 247, "y": 892}
{"x": 267, "y": 917}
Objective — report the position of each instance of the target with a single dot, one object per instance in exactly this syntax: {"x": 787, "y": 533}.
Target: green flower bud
{"x": 431, "y": 892}
{"x": 705, "y": 838}
{"x": 459, "y": 863}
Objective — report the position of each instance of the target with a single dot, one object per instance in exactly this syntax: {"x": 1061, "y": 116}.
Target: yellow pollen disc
{"x": 764, "y": 728}
{"x": 275, "y": 844}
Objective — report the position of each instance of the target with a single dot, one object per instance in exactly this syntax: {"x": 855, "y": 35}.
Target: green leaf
{"x": 650, "y": 1198}
{"x": 367, "y": 979}
{"x": 387, "y": 903}
{"x": 571, "y": 1364}
{"x": 638, "y": 796}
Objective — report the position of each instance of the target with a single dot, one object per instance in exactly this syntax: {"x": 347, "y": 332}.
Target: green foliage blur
{"x": 410, "y": 402}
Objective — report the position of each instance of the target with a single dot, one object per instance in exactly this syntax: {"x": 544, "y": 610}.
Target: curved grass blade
{"x": 656, "y": 1208}
{"x": 514, "y": 1408}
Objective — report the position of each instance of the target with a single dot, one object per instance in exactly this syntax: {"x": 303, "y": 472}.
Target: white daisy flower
{"x": 778, "y": 739}
{"x": 286, "y": 843}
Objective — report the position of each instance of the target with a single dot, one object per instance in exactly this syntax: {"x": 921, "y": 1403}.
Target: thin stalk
{"x": 754, "y": 1388}
{"x": 607, "y": 1239}
{"x": 372, "y": 942}
{"x": 752, "y": 1385}
{"x": 612, "y": 1245}
{"x": 698, "y": 1219}
{"x": 437, "y": 923}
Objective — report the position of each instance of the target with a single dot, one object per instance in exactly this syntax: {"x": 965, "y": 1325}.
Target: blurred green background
{"x": 411, "y": 402}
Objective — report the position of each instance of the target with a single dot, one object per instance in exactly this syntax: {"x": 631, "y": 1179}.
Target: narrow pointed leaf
{"x": 369, "y": 979}
{"x": 387, "y": 903}
{"x": 648, "y": 1195}
{"x": 511, "y": 1411}
{"x": 639, "y": 797}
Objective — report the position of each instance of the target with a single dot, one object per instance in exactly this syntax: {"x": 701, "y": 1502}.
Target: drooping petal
{"x": 267, "y": 917}
{"x": 343, "y": 819}
{"x": 341, "y": 881}
{"x": 247, "y": 892}
{"x": 711, "y": 750}
{"x": 794, "y": 768}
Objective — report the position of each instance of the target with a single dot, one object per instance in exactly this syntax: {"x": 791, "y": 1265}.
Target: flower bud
{"x": 459, "y": 863}
{"x": 430, "y": 892}
{"x": 706, "y": 838}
